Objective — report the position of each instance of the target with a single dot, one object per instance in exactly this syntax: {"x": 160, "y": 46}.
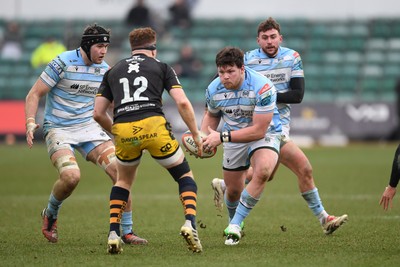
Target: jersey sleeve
{"x": 266, "y": 99}
{"x": 210, "y": 102}
{"x": 104, "y": 89}
{"x": 53, "y": 72}
{"x": 297, "y": 68}
{"x": 171, "y": 79}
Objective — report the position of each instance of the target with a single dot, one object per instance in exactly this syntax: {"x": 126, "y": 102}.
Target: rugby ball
{"x": 191, "y": 147}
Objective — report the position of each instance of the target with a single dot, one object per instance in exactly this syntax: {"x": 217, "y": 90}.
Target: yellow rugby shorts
{"x": 153, "y": 134}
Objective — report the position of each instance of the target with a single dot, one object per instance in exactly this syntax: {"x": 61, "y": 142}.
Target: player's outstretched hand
{"x": 31, "y": 127}
{"x": 387, "y": 197}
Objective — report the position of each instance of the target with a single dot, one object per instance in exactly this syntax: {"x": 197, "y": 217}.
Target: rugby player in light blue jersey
{"x": 283, "y": 66}
{"x": 70, "y": 83}
{"x": 251, "y": 132}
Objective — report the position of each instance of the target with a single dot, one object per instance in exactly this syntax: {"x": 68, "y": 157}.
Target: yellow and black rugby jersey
{"x": 136, "y": 85}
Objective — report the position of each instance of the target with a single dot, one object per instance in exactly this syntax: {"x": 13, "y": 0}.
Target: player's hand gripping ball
{"x": 191, "y": 147}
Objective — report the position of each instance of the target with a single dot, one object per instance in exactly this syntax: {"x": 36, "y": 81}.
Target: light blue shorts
{"x": 237, "y": 155}
{"x": 83, "y": 138}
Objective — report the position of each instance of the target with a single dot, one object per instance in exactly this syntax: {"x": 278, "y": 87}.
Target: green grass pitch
{"x": 350, "y": 180}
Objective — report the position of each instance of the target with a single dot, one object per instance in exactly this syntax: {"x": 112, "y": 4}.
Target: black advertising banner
{"x": 356, "y": 121}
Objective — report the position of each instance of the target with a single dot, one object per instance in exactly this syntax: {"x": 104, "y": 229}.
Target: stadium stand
{"x": 347, "y": 60}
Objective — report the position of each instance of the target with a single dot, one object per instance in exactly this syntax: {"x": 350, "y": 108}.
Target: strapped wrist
{"x": 30, "y": 120}
{"x": 31, "y": 125}
{"x": 225, "y": 136}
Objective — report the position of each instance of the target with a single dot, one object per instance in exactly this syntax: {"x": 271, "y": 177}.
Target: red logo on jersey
{"x": 265, "y": 88}
{"x": 296, "y": 54}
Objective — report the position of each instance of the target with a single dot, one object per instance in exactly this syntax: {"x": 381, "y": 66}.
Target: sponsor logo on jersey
{"x": 133, "y": 67}
{"x": 85, "y": 89}
{"x": 266, "y": 100}
{"x": 246, "y": 93}
{"x": 276, "y": 77}
{"x": 55, "y": 67}
{"x": 134, "y": 139}
{"x": 135, "y": 58}
{"x": 238, "y": 112}
{"x": 135, "y": 107}
{"x": 136, "y": 129}
{"x": 265, "y": 88}
{"x": 166, "y": 148}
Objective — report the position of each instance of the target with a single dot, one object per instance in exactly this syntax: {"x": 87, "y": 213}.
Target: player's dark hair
{"x": 94, "y": 34}
{"x": 268, "y": 24}
{"x": 230, "y": 56}
{"x": 143, "y": 38}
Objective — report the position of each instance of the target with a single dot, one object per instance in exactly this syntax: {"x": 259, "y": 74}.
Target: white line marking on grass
{"x": 388, "y": 217}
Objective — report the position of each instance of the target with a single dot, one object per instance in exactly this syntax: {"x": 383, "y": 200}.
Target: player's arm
{"x": 211, "y": 117}
{"x": 186, "y": 111}
{"x": 390, "y": 190}
{"x": 104, "y": 105}
{"x": 38, "y": 90}
{"x": 209, "y": 120}
{"x": 254, "y": 132}
{"x": 295, "y": 94}
{"x": 101, "y": 112}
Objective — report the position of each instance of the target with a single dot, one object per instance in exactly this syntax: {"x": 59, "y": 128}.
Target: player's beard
{"x": 228, "y": 85}
{"x": 270, "y": 51}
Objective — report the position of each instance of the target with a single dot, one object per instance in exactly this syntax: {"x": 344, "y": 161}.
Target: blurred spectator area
{"x": 344, "y": 60}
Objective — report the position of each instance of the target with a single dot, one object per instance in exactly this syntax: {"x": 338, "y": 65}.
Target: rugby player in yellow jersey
{"x": 135, "y": 85}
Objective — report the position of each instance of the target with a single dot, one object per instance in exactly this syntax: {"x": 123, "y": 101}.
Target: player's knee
{"x": 305, "y": 171}
{"x": 179, "y": 170}
{"x": 264, "y": 174}
{"x": 70, "y": 179}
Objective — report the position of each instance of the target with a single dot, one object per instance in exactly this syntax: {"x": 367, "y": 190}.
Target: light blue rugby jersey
{"x": 74, "y": 85}
{"x": 285, "y": 65}
{"x": 256, "y": 95}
